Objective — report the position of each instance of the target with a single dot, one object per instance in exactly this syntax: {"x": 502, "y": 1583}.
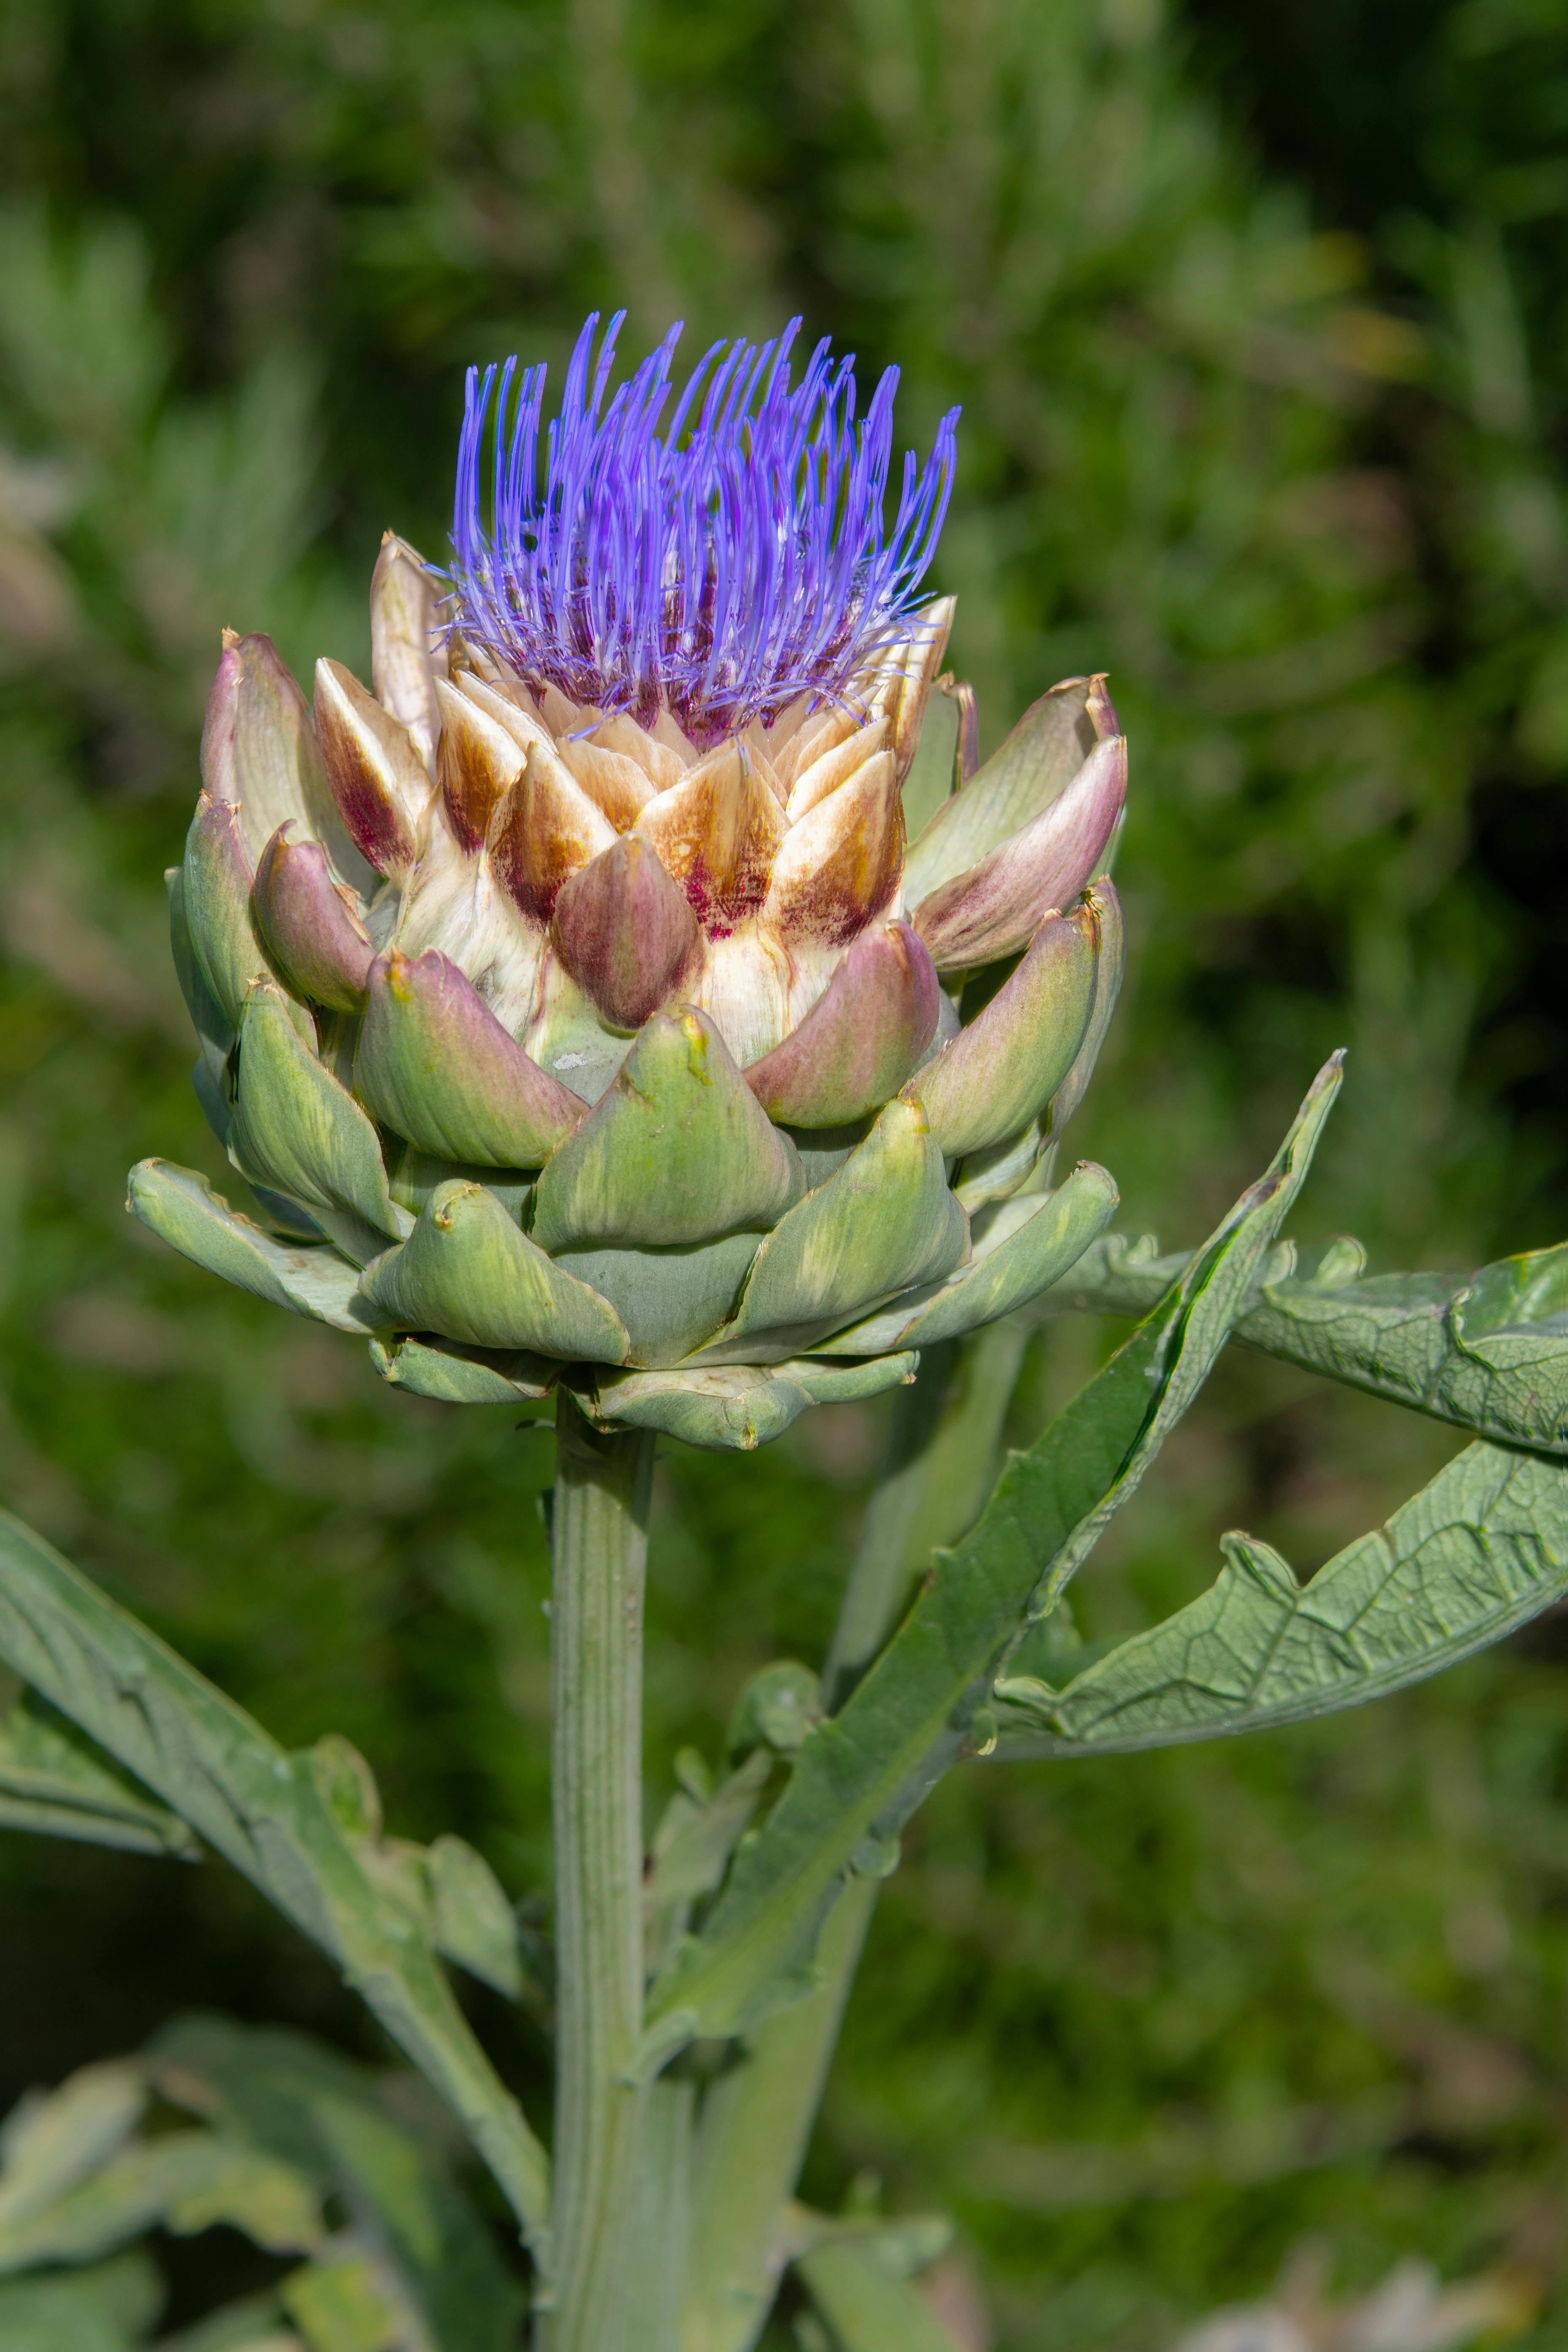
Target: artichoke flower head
{"x": 576, "y": 1003}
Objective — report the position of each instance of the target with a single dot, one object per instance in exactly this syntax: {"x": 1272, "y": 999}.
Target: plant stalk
{"x": 599, "y": 1547}
{"x": 757, "y": 2118}
{"x": 757, "y": 2121}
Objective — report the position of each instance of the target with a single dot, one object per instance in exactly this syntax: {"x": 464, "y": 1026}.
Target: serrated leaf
{"x": 1480, "y": 1550}
{"x": 1486, "y": 1352}
{"x": 862, "y": 1773}
{"x": 265, "y": 1812}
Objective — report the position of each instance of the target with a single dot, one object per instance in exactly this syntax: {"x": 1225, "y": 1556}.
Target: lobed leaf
{"x": 270, "y": 1813}
{"x": 1478, "y": 1552}
{"x": 860, "y": 1774}
{"x": 1487, "y": 1351}
{"x": 334, "y": 2122}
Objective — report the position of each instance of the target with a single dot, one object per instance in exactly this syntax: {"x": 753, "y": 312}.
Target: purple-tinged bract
{"x": 715, "y": 564}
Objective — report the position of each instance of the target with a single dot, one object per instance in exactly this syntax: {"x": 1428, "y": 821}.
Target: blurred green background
{"x": 1259, "y": 319}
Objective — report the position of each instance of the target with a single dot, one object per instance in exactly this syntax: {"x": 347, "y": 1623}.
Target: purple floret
{"x": 717, "y": 568}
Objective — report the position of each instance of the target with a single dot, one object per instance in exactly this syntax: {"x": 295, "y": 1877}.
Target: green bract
{"x": 556, "y": 1050}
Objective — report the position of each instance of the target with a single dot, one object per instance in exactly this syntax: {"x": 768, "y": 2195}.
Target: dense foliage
{"x": 1277, "y": 436}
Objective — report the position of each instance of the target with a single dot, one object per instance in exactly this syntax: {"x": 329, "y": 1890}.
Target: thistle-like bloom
{"x": 715, "y": 570}
{"x": 572, "y": 1004}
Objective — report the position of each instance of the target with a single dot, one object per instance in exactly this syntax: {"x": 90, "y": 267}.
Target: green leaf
{"x": 693, "y": 1844}
{"x": 327, "y": 2118}
{"x": 347, "y": 2304}
{"x": 52, "y": 2141}
{"x": 259, "y": 2083}
{"x": 184, "y": 2180}
{"x": 108, "y": 2309}
{"x": 474, "y": 1924}
{"x": 255, "y": 2324}
{"x": 1486, "y": 1352}
{"x": 868, "y": 2303}
{"x": 1489, "y": 1353}
{"x": 444, "y": 2255}
{"x": 54, "y": 1781}
{"x": 266, "y": 1812}
{"x": 862, "y": 1774}
{"x": 1478, "y": 1552}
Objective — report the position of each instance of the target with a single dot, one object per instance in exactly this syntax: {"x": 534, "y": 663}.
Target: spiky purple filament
{"x": 716, "y": 569}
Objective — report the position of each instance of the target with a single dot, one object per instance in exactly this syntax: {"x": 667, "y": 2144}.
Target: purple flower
{"x": 716, "y": 568}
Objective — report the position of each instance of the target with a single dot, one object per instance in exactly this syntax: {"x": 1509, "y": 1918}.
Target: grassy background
{"x": 1259, "y": 321}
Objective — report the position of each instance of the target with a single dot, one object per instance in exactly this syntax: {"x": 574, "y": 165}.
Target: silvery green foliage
{"x": 267, "y": 2133}
{"x": 1484, "y": 1351}
{"x": 305, "y": 1829}
{"x": 761, "y": 1876}
{"x": 1479, "y": 1552}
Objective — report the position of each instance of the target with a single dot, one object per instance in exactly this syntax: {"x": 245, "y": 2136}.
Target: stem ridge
{"x": 599, "y": 1546}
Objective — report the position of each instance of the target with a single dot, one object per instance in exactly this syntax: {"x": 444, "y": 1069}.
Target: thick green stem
{"x": 599, "y": 1542}
{"x": 757, "y": 2118}
{"x": 757, "y": 2121}
{"x": 660, "y": 2223}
